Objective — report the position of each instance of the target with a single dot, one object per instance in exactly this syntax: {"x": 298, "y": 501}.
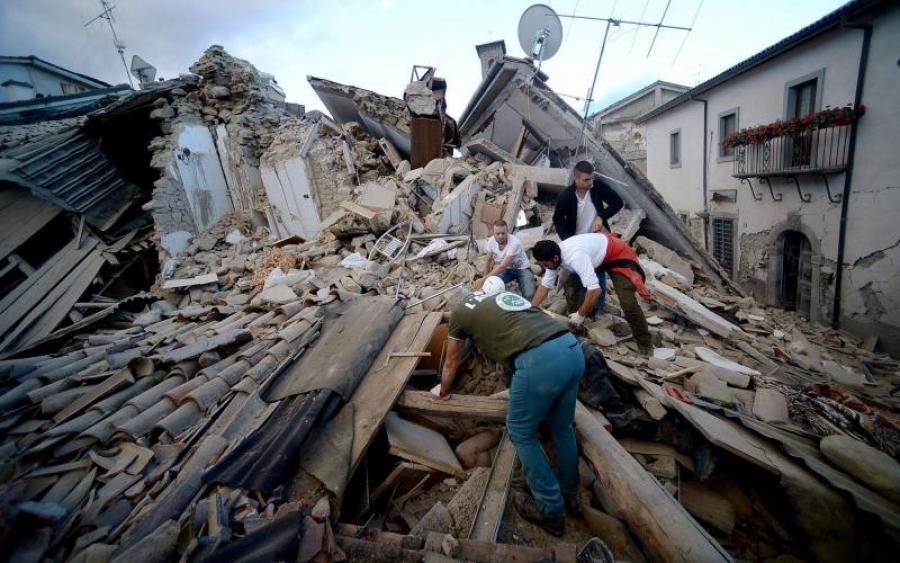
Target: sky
{"x": 375, "y": 43}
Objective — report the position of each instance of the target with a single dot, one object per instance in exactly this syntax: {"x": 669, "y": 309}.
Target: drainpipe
{"x": 848, "y": 174}
{"x": 705, "y": 165}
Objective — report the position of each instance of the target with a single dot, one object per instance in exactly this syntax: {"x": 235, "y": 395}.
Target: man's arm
{"x": 590, "y": 299}
{"x": 488, "y": 262}
{"x": 452, "y": 361}
{"x": 611, "y": 200}
{"x": 560, "y": 218}
{"x": 539, "y": 295}
{"x": 503, "y": 265}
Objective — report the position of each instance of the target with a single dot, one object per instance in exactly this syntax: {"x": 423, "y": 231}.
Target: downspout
{"x": 705, "y": 164}
{"x": 848, "y": 174}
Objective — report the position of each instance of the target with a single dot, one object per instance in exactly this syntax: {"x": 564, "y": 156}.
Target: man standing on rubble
{"x": 505, "y": 257}
{"x": 587, "y": 256}
{"x": 548, "y": 365}
{"x": 585, "y": 207}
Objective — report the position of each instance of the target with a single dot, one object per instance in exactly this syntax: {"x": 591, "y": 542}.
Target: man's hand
{"x": 478, "y": 283}
{"x": 597, "y": 225}
{"x": 576, "y": 320}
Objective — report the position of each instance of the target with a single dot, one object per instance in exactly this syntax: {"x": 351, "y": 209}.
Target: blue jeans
{"x": 521, "y": 276}
{"x": 545, "y": 386}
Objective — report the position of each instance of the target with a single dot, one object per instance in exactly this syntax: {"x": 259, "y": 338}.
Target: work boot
{"x": 529, "y": 510}
{"x": 573, "y": 506}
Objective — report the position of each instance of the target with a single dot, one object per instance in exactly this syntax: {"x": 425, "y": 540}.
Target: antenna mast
{"x": 609, "y": 23}
{"x": 120, "y": 46}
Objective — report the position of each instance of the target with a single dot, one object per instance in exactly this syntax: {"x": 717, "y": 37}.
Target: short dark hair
{"x": 585, "y": 167}
{"x": 500, "y": 223}
{"x": 545, "y": 250}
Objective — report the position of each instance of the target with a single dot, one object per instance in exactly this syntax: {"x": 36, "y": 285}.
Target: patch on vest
{"x": 512, "y": 302}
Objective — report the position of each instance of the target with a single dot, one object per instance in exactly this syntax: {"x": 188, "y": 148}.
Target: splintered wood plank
{"x": 473, "y": 407}
{"x": 378, "y": 391}
{"x": 490, "y": 512}
{"x": 401, "y": 480}
{"x": 422, "y": 445}
{"x": 664, "y": 527}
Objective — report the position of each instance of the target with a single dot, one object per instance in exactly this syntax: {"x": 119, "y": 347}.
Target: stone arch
{"x": 776, "y": 260}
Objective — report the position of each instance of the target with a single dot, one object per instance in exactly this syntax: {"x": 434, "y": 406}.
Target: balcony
{"x": 820, "y": 150}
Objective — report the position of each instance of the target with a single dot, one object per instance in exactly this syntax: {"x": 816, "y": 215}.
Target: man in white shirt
{"x": 585, "y": 207}
{"x": 506, "y": 258}
{"x": 585, "y": 256}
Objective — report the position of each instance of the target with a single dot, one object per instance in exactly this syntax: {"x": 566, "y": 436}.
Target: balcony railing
{"x": 819, "y": 151}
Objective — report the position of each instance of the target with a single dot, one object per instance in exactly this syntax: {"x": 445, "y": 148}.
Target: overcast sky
{"x": 374, "y": 43}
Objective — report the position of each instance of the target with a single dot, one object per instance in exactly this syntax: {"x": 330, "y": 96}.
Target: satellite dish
{"x": 142, "y": 70}
{"x": 540, "y": 32}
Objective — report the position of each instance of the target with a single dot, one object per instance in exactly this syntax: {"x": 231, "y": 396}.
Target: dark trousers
{"x": 628, "y": 300}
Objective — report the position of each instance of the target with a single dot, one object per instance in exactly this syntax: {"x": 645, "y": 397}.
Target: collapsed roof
{"x": 268, "y": 398}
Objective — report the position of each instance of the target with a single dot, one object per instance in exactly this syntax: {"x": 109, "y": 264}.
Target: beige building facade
{"x": 617, "y": 123}
{"x": 804, "y": 221}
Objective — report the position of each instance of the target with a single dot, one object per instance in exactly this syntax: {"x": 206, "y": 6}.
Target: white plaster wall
{"x": 873, "y": 220}
{"x": 197, "y": 166}
{"x": 874, "y": 206}
{"x": 288, "y": 189}
{"x": 682, "y": 186}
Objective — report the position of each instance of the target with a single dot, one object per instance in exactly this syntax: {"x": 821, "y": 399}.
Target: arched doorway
{"x": 794, "y": 282}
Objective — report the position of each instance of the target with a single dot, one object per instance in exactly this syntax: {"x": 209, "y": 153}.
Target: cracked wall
{"x": 871, "y": 284}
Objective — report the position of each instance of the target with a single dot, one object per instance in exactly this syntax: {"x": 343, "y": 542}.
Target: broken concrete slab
{"x": 871, "y": 466}
{"x": 770, "y": 405}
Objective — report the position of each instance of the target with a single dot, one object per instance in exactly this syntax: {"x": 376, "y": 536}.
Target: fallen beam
{"x": 486, "y": 524}
{"x": 473, "y": 407}
{"x": 665, "y": 529}
{"x": 379, "y": 389}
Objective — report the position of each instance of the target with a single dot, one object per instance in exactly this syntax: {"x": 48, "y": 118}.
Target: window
{"x": 69, "y": 88}
{"x": 728, "y": 124}
{"x": 804, "y": 95}
{"x": 675, "y": 149}
{"x": 802, "y": 98}
{"x": 723, "y": 242}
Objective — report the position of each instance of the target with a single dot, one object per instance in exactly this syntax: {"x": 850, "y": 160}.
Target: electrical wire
{"x": 655, "y": 35}
{"x": 571, "y": 21}
{"x": 634, "y": 39}
{"x": 683, "y": 41}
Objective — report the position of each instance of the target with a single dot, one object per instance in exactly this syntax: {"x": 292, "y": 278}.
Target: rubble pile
{"x": 194, "y": 422}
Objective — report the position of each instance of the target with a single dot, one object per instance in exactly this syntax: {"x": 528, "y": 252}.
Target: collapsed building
{"x": 265, "y": 395}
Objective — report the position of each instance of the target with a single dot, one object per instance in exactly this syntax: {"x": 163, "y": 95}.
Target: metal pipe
{"x": 590, "y": 95}
{"x": 705, "y": 166}
{"x": 848, "y": 174}
{"x": 441, "y": 292}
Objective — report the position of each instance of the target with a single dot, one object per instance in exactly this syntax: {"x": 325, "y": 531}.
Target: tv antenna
{"x": 107, "y": 15}
{"x": 540, "y": 33}
{"x": 617, "y": 23}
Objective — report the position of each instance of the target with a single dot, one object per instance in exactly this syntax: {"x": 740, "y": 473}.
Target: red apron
{"x": 616, "y": 250}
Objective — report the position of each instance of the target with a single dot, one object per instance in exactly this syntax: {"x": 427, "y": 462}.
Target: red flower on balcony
{"x": 828, "y": 117}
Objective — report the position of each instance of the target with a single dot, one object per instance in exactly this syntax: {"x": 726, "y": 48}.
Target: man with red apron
{"x": 587, "y": 255}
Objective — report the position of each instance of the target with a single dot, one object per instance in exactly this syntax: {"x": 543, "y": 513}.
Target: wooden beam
{"x": 486, "y": 524}
{"x": 472, "y": 407}
{"x": 650, "y": 404}
{"x": 382, "y": 385}
{"x": 665, "y": 529}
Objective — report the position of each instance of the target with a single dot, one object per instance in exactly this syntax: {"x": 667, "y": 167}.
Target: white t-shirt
{"x": 513, "y": 248}
{"x": 586, "y": 214}
{"x": 580, "y": 254}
